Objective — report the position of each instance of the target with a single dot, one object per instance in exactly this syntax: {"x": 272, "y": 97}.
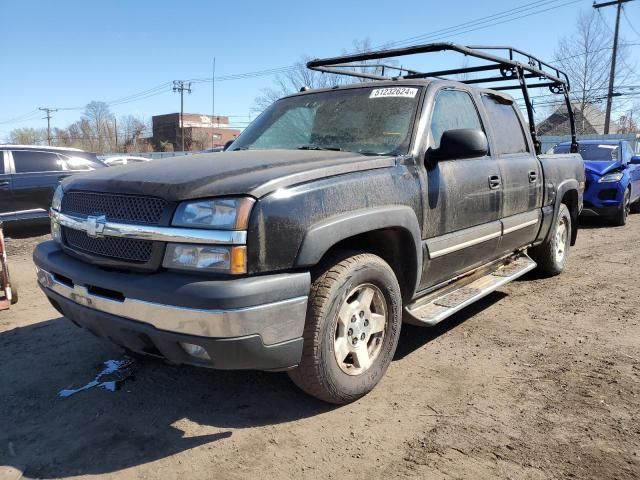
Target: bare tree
{"x": 130, "y": 130}
{"x": 585, "y": 56}
{"x": 300, "y": 76}
{"x": 99, "y": 120}
{"x": 628, "y": 122}
{"x": 28, "y": 136}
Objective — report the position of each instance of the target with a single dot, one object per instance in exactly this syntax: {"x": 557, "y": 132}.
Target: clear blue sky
{"x": 67, "y": 53}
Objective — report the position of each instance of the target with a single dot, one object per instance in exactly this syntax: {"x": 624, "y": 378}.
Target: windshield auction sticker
{"x": 402, "y": 92}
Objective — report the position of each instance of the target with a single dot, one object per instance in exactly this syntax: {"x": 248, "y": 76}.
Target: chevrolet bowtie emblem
{"x": 95, "y": 225}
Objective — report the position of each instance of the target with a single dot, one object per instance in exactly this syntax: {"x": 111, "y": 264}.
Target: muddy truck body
{"x": 337, "y": 215}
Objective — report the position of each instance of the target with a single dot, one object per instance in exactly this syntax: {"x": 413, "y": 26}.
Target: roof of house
{"x": 589, "y": 121}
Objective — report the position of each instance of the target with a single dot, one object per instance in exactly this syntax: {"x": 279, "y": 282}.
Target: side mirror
{"x": 635, "y": 160}
{"x": 460, "y": 143}
{"x": 227, "y": 145}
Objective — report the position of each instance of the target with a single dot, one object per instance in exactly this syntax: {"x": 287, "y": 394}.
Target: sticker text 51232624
{"x": 403, "y": 92}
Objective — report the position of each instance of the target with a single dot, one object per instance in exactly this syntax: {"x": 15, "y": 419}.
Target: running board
{"x": 436, "y": 306}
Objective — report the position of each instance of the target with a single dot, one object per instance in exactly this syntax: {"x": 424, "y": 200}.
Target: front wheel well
{"x": 394, "y": 245}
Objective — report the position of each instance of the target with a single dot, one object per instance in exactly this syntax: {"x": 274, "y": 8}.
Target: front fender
{"x": 327, "y": 233}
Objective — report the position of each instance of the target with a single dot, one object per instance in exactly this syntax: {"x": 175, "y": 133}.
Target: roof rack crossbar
{"x": 510, "y": 67}
{"x": 453, "y": 71}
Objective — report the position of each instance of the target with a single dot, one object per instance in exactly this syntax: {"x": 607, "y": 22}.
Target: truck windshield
{"x": 593, "y": 151}
{"x": 370, "y": 121}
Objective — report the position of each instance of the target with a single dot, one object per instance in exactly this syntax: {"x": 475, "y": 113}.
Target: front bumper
{"x": 249, "y": 323}
{"x": 602, "y": 199}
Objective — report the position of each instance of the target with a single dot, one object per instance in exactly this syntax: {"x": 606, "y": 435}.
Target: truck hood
{"x": 248, "y": 172}
{"x": 601, "y": 168}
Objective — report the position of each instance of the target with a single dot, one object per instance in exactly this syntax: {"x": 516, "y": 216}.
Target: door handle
{"x": 4, "y": 185}
{"x": 533, "y": 177}
{"x": 494, "y": 182}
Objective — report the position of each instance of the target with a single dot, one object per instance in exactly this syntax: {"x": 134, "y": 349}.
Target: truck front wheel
{"x": 351, "y": 330}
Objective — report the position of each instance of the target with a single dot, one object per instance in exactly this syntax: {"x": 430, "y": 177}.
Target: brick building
{"x": 200, "y": 131}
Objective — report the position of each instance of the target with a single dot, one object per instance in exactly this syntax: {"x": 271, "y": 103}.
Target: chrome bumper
{"x": 274, "y": 322}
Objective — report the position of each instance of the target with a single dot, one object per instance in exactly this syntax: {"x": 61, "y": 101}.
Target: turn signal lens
{"x": 239, "y": 260}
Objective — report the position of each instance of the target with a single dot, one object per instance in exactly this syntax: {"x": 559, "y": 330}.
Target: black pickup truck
{"x": 335, "y": 216}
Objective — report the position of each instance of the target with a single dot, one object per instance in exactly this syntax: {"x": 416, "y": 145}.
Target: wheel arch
{"x": 391, "y": 232}
{"x": 567, "y": 194}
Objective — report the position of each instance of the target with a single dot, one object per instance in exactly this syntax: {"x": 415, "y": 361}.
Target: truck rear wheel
{"x": 351, "y": 330}
{"x": 551, "y": 255}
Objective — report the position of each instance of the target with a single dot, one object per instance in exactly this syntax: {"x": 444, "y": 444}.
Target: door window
{"x": 509, "y": 135}
{"x": 453, "y": 109}
{"x": 26, "y": 161}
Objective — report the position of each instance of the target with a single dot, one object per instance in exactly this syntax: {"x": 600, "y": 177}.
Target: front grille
{"x": 125, "y": 208}
{"x": 132, "y": 250}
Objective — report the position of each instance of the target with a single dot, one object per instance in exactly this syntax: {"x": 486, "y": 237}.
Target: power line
{"x": 25, "y": 116}
{"x": 624, "y": 12}
{"x": 487, "y": 21}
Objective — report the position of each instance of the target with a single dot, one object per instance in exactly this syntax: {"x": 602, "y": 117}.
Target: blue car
{"x": 612, "y": 174}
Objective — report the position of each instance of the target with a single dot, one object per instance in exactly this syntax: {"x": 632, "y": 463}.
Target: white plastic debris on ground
{"x": 116, "y": 371}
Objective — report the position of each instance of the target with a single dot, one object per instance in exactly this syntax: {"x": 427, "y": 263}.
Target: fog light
{"x": 195, "y": 351}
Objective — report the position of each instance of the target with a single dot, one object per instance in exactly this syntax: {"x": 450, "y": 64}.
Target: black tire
{"x": 620, "y": 219}
{"x": 550, "y": 263}
{"x": 320, "y": 374}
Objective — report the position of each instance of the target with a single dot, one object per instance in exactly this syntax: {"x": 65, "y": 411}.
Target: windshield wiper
{"x": 318, "y": 147}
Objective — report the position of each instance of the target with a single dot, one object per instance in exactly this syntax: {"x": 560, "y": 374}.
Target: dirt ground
{"x": 541, "y": 380}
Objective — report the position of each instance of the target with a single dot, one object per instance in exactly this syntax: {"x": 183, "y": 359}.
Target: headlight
{"x": 221, "y": 213}
{"x": 611, "y": 177}
{"x": 56, "y": 203}
{"x": 212, "y": 258}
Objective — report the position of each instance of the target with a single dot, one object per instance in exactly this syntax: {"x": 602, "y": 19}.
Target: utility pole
{"x": 115, "y": 130}
{"x": 614, "y": 54}
{"x": 48, "y": 117}
{"x": 181, "y": 86}
{"x": 213, "y": 99}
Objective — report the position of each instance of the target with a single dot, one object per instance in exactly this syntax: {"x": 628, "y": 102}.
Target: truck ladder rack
{"x": 515, "y": 67}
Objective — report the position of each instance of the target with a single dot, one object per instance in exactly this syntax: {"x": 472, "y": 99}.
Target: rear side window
{"x": 26, "y": 161}
{"x": 509, "y": 136}
{"x": 453, "y": 110}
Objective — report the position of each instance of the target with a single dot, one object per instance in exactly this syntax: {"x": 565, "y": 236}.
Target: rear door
{"x": 37, "y": 174}
{"x": 462, "y": 199}
{"x": 520, "y": 170}
{"x": 5, "y": 186}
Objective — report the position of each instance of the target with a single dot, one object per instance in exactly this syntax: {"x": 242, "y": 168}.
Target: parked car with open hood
{"x": 612, "y": 178}
{"x": 337, "y": 214}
